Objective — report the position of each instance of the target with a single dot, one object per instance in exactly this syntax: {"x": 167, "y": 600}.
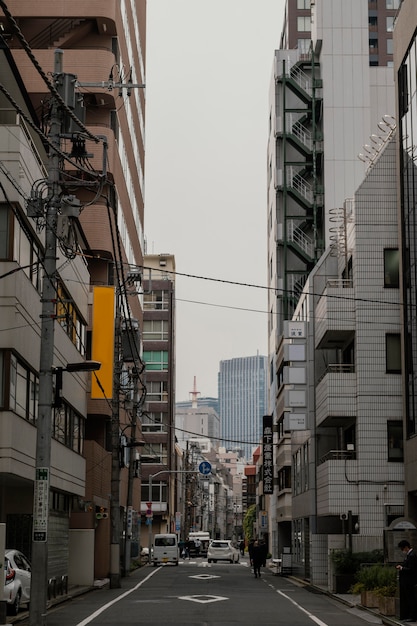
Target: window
{"x": 157, "y": 391}
{"x": 4, "y": 232}
{"x": 393, "y": 353}
{"x": 16, "y": 244}
{"x": 159, "y": 492}
{"x": 303, "y": 4}
{"x": 390, "y": 23}
{"x": 156, "y": 300}
{"x": 390, "y": 46}
{"x": 154, "y": 422}
{"x": 395, "y": 441}
{"x": 284, "y": 478}
{"x": 155, "y": 330}
{"x": 155, "y": 454}
{"x": 373, "y": 22}
{"x": 70, "y": 320}
{"x": 304, "y": 24}
{"x": 24, "y": 389}
{"x": 391, "y": 267}
{"x": 304, "y": 45}
{"x": 68, "y": 427}
{"x": 373, "y": 44}
{"x": 156, "y": 360}
{"x": 393, "y": 4}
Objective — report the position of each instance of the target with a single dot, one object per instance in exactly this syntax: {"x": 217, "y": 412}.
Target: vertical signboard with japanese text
{"x": 268, "y": 455}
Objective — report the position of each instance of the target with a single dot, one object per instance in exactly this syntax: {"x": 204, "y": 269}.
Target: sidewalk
{"x": 353, "y": 601}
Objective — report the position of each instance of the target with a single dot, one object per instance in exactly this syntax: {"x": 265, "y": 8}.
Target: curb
{"x": 388, "y": 620}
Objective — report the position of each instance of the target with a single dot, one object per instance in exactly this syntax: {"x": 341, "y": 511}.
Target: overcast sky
{"x": 209, "y": 65}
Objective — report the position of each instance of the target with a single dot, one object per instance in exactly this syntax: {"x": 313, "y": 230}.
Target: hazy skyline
{"x": 209, "y": 67}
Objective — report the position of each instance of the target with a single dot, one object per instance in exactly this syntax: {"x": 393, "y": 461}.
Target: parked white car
{"x": 17, "y": 575}
{"x": 222, "y": 550}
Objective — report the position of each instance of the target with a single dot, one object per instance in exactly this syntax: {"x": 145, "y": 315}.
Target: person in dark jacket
{"x": 250, "y": 550}
{"x": 257, "y": 559}
{"x": 408, "y": 581}
{"x": 264, "y": 550}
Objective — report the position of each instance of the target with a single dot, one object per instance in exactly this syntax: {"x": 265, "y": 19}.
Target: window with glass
{"x": 157, "y": 391}
{"x": 156, "y": 360}
{"x": 390, "y": 23}
{"x": 395, "y": 441}
{"x": 68, "y": 427}
{"x": 155, "y": 330}
{"x": 24, "y": 390}
{"x": 304, "y": 45}
{"x": 159, "y": 492}
{"x": 70, "y": 319}
{"x": 393, "y": 353}
{"x": 17, "y": 244}
{"x": 391, "y": 267}
{"x": 390, "y": 46}
{"x": 303, "y": 24}
{"x": 303, "y": 4}
{"x": 155, "y": 454}
{"x": 393, "y": 4}
{"x": 154, "y": 422}
{"x": 156, "y": 300}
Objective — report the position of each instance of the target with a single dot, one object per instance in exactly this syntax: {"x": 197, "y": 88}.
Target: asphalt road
{"x": 196, "y": 593}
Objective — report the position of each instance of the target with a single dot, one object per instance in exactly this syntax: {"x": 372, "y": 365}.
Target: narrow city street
{"x": 197, "y": 593}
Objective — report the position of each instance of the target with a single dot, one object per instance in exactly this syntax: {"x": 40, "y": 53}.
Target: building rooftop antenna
{"x": 194, "y": 394}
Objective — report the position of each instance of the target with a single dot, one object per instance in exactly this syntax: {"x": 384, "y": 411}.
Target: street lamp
{"x": 38, "y": 597}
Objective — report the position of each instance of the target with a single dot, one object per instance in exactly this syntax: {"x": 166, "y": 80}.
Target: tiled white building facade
{"x": 333, "y": 250}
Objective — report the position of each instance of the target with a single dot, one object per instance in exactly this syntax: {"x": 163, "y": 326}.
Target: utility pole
{"x": 39, "y": 584}
{"x": 115, "y": 576}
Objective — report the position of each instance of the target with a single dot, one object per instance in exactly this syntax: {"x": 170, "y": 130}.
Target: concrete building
{"x": 242, "y": 384}
{"x": 103, "y": 168}
{"x": 346, "y": 444}
{"x": 196, "y": 422}
{"x": 332, "y": 108}
{"x": 405, "y": 53}
{"x": 158, "y": 457}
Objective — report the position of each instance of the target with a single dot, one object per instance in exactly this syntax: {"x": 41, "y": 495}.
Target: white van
{"x": 165, "y": 549}
{"x": 204, "y": 538}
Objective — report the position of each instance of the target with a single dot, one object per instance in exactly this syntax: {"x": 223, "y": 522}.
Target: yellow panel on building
{"x": 103, "y": 340}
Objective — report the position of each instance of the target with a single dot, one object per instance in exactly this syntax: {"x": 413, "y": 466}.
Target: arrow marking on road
{"x": 202, "y": 599}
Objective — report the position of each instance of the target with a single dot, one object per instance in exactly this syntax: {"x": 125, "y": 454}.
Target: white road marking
{"x": 101, "y": 610}
{"x": 310, "y": 615}
{"x": 202, "y": 599}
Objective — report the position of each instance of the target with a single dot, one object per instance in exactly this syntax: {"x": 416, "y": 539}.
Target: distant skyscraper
{"x": 242, "y": 401}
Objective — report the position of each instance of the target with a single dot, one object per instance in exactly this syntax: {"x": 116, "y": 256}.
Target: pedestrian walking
{"x": 257, "y": 559}
{"x": 197, "y": 544}
{"x": 250, "y": 551}
{"x": 242, "y": 547}
{"x": 408, "y": 581}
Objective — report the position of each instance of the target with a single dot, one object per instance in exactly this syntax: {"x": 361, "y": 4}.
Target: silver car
{"x": 16, "y": 580}
{"x": 222, "y": 550}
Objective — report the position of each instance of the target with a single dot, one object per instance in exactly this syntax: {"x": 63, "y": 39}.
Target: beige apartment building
{"x": 95, "y": 484}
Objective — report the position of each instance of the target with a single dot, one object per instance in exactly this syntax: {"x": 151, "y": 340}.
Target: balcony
{"x": 336, "y": 395}
{"x": 335, "y": 314}
{"x": 336, "y": 488}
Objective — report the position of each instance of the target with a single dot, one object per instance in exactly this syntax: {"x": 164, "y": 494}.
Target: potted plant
{"x": 387, "y": 590}
{"x": 346, "y": 563}
{"x": 367, "y": 581}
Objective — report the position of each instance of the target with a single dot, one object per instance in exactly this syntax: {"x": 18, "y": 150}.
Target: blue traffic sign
{"x": 204, "y": 468}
